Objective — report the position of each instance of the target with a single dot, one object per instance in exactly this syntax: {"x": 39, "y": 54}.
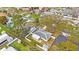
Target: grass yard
{"x": 67, "y": 46}
{"x": 35, "y": 16}
{"x": 19, "y": 46}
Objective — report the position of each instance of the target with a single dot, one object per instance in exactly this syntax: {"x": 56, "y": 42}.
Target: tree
{"x": 3, "y": 19}
{"x": 18, "y": 24}
{"x": 18, "y": 21}
{"x": 36, "y": 18}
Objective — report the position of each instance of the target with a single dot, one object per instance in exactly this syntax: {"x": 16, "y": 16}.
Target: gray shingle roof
{"x": 43, "y": 34}
{"x": 60, "y": 38}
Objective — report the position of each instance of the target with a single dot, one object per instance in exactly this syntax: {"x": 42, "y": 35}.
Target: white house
{"x": 35, "y": 36}
{"x": 44, "y": 35}
{"x": 4, "y": 37}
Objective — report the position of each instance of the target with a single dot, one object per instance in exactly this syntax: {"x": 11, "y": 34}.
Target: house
{"x": 8, "y": 49}
{"x": 4, "y": 37}
{"x": 53, "y": 11}
{"x": 28, "y": 18}
{"x": 60, "y": 38}
{"x": 24, "y": 9}
{"x": 67, "y": 11}
{"x": 48, "y": 13}
{"x": 35, "y": 36}
{"x": 36, "y": 11}
{"x": 74, "y": 22}
{"x": 66, "y": 33}
{"x": 41, "y": 34}
{"x": 32, "y": 29}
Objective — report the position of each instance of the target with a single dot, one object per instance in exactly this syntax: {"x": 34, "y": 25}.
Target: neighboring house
{"x": 60, "y": 38}
{"x": 41, "y": 34}
{"x": 74, "y": 22}
{"x": 65, "y": 33}
{"x": 32, "y": 29}
{"x": 66, "y": 11}
{"x": 4, "y": 37}
{"x": 53, "y": 11}
{"x": 28, "y": 18}
{"x": 8, "y": 49}
{"x": 24, "y": 9}
{"x": 67, "y": 17}
{"x": 36, "y": 11}
{"x": 48, "y": 13}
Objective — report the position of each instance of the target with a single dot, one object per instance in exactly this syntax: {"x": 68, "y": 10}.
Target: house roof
{"x": 43, "y": 34}
{"x": 2, "y": 38}
{"x": 60, "y": 38}
{"x": 35, "y": 36}
{"x": 2, "y": 42}
{"x": 10, "y": 49}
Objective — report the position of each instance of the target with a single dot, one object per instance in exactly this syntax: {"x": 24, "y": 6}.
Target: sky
{"x": 39, "y": 3}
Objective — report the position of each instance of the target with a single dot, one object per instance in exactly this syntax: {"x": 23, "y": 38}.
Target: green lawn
{"x": 67, "y": 46}
{"x": 35, "y": 16}
{"x": 3, "y": 28}
{"x": 19, "y": 46}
